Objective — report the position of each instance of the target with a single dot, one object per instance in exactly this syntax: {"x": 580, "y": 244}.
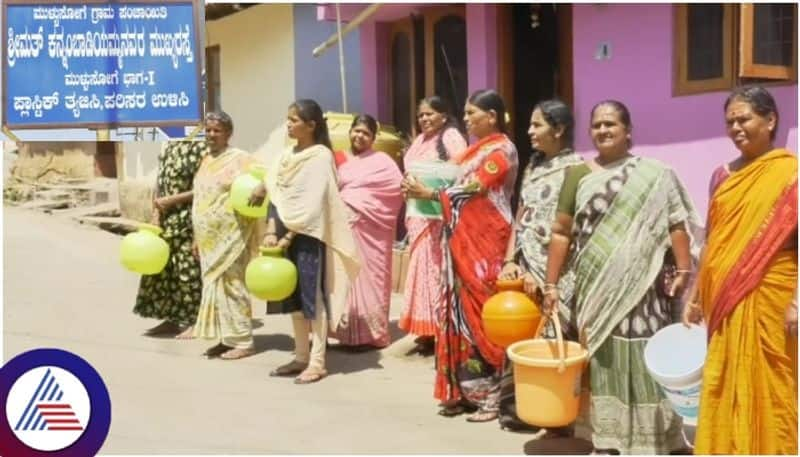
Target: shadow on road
{"x": 557, "y": 446}
{"x": 274, "y": 342}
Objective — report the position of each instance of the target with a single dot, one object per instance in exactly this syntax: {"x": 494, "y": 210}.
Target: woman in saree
{"x": 746, "y": 290}
{"x": 369, "y": 184}
{"x": 629, "y": 230}
{"x": 440, "y": 140}
{"x": 478, "y": 217}
{"x": 551, "y": 134}
{"x": 309, "y": 221}
{"x": 223, "y": 240}
{"x": 174, "y": 294}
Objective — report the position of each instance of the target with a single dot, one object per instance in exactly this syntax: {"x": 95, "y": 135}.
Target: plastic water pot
{"x": 271, "y": 276}
{"x": 144, "y": 251}
{"x": 242, "y": 188}
{"x": 510, "y": 315}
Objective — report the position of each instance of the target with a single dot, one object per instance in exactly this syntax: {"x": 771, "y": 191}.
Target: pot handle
{"x": 553, "y": 317}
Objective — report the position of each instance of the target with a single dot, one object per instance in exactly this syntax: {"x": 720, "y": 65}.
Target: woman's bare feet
{"x": 187, "y": 334}
{"x": 238, "y": 353}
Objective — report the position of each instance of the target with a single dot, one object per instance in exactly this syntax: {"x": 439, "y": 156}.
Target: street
{"x": 64, "y": 288}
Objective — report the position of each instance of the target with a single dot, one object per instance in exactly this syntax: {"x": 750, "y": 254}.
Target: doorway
{"x": 541, "y": 66}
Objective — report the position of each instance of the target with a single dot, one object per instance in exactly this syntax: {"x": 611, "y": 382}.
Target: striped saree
{"x": 623, "y": 266}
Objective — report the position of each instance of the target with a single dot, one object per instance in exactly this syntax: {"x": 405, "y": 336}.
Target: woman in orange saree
{"x": 746, "y": 291}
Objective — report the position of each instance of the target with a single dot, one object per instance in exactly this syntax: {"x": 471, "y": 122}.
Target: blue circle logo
{"x": 54, "y": 404}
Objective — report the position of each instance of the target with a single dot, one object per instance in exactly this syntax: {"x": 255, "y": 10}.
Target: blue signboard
{"x": 110, "y": 64}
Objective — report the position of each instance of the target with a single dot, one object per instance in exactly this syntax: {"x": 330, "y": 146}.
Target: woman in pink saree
{"x": 369, "y": 183}
{"x": 440, "y": 140}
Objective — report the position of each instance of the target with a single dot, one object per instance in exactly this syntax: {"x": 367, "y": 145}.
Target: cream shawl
{"x": 303, "y": 187}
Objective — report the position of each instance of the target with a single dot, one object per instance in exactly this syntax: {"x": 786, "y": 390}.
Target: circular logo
{"x": 56, "y": 405}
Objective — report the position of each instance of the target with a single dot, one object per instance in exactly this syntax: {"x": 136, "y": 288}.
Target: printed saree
{"x": 223, "y": 238}
{"x": 478, "y": 219}
{"x": 623, "y": 267}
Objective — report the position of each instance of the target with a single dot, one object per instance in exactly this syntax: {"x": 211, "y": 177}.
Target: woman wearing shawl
{"x": 477, "y": 211}
{"x": 551, "y": 134}
{"x": 746, "y": 290}
{"x": 369, "y": 184}
{"x": 309, "y": 220}
{"x": 440, "y": 140}
{"x": 625, "y": 224}
{"x": 174, "y": 294}
{"x": 223, "y": 241}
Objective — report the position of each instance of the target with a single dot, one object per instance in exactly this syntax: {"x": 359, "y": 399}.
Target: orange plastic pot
{"x": 510, "y": 315}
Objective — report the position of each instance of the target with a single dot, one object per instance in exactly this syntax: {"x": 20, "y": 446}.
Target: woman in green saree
{"x": 627, "y": 227}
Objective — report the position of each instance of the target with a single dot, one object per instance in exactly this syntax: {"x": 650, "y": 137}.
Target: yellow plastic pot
{"x": 242, "y": 188}
{"x": 510, "y": 315}
{"x": 271, "y": 276}
{"x": 144, "y": 251}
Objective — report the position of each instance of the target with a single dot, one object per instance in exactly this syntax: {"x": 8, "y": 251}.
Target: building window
{"x": 213, "y": 81}
{"x": 718, "y": 46}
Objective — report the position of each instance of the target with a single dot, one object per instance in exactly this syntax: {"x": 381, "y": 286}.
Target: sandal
{"x": 238, "y": 353}
{"x": 452, "y": 411}
{"x": 290, "y": 369}
{"x": 482, "y": 416}
{"x": 310, "y": 376}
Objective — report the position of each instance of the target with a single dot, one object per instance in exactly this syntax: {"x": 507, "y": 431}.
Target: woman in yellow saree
{"x": 746, "y": 290}
{"x": 222, "y": 240}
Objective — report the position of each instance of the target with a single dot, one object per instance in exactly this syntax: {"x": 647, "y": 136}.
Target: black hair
{"x": 622, "y": 111}
{"x": 439, "y": 105}
{"x": 368, "y": 121}
{"x": 310, "y": 111}
{"x": 557, "y": 114}
{"x": 759, "y": 99}
{"x": 490, "y": 100}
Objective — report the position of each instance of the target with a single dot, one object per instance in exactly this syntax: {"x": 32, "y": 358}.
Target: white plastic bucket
{"x": 675, "y": 356}
{"x": 434, "y": 174}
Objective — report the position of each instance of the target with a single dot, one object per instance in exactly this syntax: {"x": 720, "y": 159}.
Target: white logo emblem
{"x": 48, "y": 408}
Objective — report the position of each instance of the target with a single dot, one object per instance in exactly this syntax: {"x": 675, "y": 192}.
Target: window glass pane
{"x": 705, "y": 39}
{"x": 773, "y": 32}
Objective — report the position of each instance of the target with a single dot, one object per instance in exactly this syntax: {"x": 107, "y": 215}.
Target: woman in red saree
{"x": 746, "y": 291}
{"x": 477, "y": 216}
{"x": 369, "y": 184}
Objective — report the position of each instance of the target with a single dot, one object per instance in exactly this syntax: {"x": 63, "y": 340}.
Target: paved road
{"x": 64, "y": 288}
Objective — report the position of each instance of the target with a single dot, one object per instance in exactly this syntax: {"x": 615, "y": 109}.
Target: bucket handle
{"x": 553, "y": 317}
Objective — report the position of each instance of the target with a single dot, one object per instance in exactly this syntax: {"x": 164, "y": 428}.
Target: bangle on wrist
{"x": 688, "y": 272}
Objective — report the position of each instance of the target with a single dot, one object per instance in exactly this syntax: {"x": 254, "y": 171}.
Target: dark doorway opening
{"x": 535, "y": 56}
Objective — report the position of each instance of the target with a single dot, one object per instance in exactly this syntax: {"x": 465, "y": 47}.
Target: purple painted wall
{"x": 686, "y": 132}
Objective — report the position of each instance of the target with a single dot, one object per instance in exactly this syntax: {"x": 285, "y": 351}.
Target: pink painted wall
{"x": 482, "y": 56}
{"x": 686, "y": 132}
{"x": 375, "y": 72}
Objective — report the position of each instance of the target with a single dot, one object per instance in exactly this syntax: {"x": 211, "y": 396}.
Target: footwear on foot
{"x": 292, "y": 368}
{"x": 311, "y": 375}
{"x": 482, "y": 416}
{"x": 452, "y": 410}
{"x": 238, "y": 353}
